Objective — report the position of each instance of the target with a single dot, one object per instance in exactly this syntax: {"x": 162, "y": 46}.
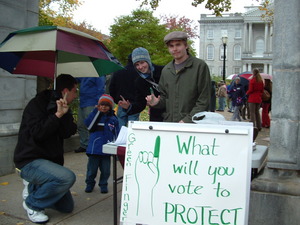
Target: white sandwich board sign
{"x": 186, "y": 174}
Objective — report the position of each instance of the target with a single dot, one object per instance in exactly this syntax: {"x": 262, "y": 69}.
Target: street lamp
{"x": 224, "y": 40}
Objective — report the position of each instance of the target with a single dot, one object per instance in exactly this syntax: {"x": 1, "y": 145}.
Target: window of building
{"x": 237, "y": 52}
{"x": 237, "y": 70}
{"x": 210, "y": 34}
{"x": 260, "y": 67}
{"x": 210, "y": 52}
{"x": 222, "y": 52}
{"x": 238, "y": 33}
{"x": 224, "y": 33}
{"x": 259, "y": 47}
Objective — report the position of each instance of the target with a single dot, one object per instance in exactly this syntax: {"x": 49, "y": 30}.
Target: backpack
{"x": 265, "y": 96}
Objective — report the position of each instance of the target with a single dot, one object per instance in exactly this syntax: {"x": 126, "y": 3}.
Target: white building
{"x": 249, "y": 42}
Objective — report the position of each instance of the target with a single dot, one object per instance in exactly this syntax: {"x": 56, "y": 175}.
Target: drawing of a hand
{"x": 147, "y": 176}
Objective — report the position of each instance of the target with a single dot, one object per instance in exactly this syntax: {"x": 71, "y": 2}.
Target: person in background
{"x": 266, "y": 105}
{"x": 185, "y": 84}
{"x": 91, "y": 88}
{"x": 39, "y": 153}
{"x": 245, "y": 109}
{"x": 104, "y": 127}
{"x": 212, "y": 106}
{"x": 222, "y": 95}
{"x": 237, "y": 97}
{"x": 228, "y": 98}
{"x": 256, "y": 87}
{"x": 147, "y": 82}
{"x": 122, "y": 86}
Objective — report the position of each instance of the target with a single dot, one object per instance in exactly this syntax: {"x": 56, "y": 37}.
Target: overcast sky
{"x": 101, "y": 14}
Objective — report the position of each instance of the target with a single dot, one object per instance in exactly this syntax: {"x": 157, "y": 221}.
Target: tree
{"x": 182, "y": 24}
{"x": 141, "y": 29}
{"x": 268, "y": 16}
{"x": 60, "y": 13}
{"x": 218, "y": 6}
{"x": 86, "y": 28}
{"x": 57, "y": 12}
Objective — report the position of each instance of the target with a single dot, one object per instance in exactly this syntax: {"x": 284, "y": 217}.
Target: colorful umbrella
{"x": 266, "y": 76}
{"x": 231, "y": 77}
{"x": 51, "y": 50}
{"x": 248, "y": 75}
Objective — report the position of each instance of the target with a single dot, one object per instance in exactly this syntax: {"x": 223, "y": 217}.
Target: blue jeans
{"x": 236, "y": 113}
{"x": 222, "y": 102}
{"x": 82, "y": 130}
{"x": 94, "y": 162}
{"x": 49, "y": 186}
{"x": 123, "y": 117}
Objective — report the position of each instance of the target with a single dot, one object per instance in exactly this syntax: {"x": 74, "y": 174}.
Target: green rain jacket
{"x": 185, "y": 93}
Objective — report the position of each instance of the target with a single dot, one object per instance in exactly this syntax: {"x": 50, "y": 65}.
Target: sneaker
{"x": 35, "y": 216}
{"x": 80, "y": 149}
{"x": 254, "y": 146}
{"x": 25, "y": 190}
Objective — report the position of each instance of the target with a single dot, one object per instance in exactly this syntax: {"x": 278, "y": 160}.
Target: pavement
{"x": 90, "y": 208}
{"x": 263, "y": 137}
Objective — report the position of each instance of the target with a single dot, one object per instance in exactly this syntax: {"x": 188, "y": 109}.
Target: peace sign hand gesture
{"x": 62, "y": 106}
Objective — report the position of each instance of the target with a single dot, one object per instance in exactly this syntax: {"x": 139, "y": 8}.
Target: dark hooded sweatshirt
{"x": 41, "y": 133}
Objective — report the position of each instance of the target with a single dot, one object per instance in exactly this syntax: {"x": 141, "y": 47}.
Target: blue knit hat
{"x": 141, "y": 54}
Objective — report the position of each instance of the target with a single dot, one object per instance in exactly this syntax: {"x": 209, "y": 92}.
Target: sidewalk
{"x": 90, "y": 208}
{"x": 263, "y": 137}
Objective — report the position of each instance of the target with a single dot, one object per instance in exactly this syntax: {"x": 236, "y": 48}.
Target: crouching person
{"x": 104, "y": 127}
{"x": 38, "y": 156}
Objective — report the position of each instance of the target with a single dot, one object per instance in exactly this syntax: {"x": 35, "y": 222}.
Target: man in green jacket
{"x": 185, "y": 83}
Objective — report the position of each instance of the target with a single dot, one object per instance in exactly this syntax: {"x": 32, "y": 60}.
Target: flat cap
{"x": 175, "y": 35}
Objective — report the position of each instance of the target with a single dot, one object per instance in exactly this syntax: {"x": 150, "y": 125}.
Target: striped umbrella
{"x": 48, "y": 51}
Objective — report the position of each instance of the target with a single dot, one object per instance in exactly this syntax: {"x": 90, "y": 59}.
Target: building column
{"x": 244, "y": 67}
{"x": 270, "y": 69}
{"x": 265, "y": 68}
{"x": 266, "y": 37}
{"x": 271, "y": 38}
{"x": 245, "y": 38}
{"x": 250, "y": 35}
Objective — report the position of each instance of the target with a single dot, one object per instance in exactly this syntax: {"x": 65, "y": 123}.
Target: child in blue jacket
{"x": 103, "y": 126}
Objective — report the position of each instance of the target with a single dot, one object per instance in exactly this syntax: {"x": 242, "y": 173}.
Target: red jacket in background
{"x": 255, "y": 91}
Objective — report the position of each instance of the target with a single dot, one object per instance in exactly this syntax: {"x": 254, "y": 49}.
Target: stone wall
{"x": 16, "y": 91}
{"x": 275, "y": 194}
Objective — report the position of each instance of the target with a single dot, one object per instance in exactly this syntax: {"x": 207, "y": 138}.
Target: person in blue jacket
{"x": 103, "y": 126}
{"x": 91, "y": 88}
{"x": 238, "y": 96}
